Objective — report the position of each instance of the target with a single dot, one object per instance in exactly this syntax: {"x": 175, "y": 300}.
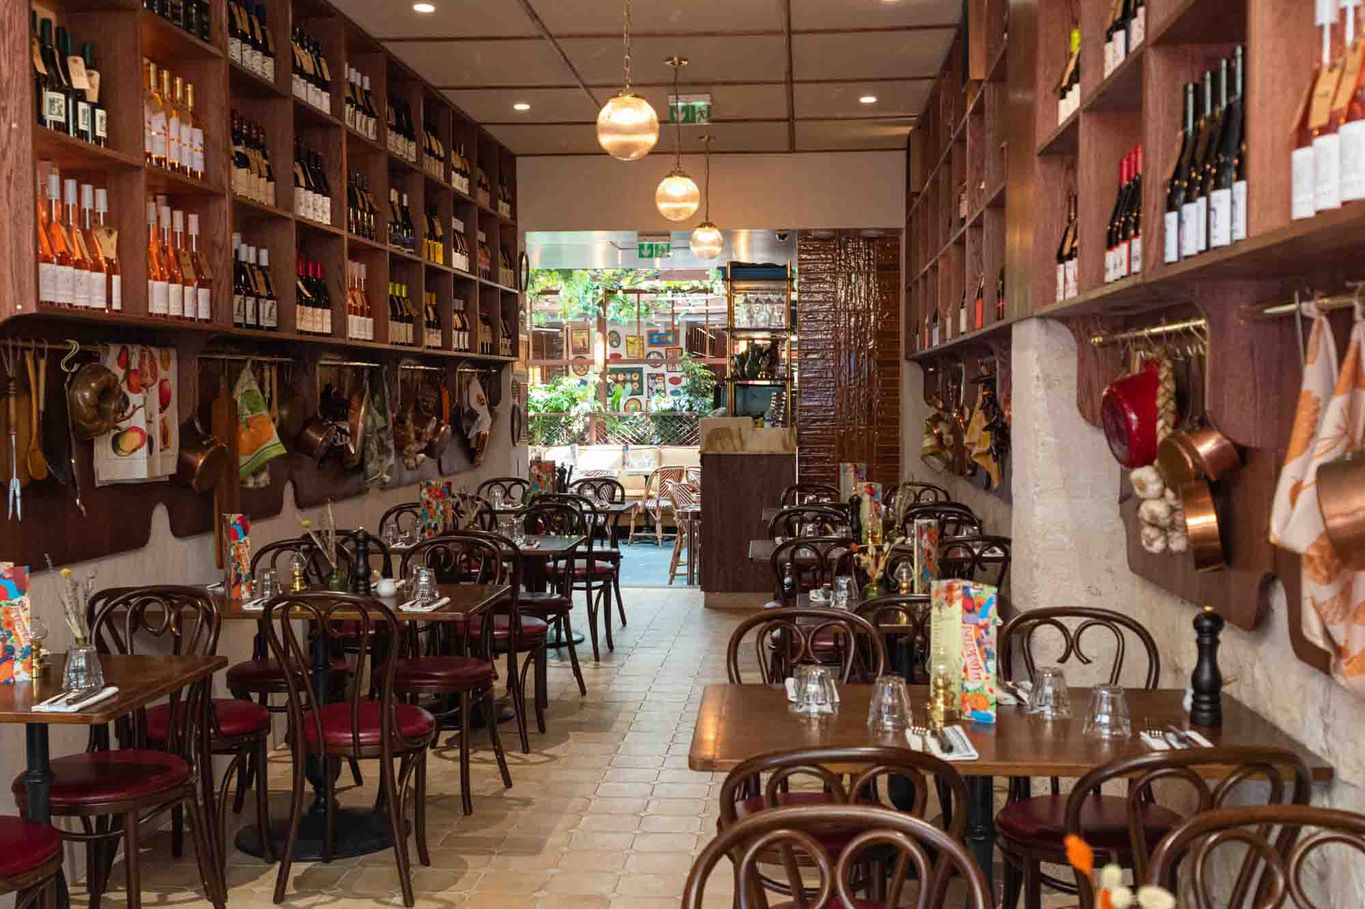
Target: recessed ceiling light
{"x": 424, "y": 7}
{"x": 521, "y": 105}
{"x": 868, "y": 99}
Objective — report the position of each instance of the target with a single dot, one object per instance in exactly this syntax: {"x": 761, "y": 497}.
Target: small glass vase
{"x": 336, "y": 581}
{"x": 83, "y": 670}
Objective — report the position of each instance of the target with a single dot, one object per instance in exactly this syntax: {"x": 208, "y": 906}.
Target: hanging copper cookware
{"x": 1201, "y": 526}
{"x": 441, "y": 436}
{"x": 202, "y": 459}
{"x": 96, "y": 401}
{"x": 1341, "y": 498}
{"x": 293, "y": 413}
{"x": 317, "y": 438}
{"x": 354, "y": 451}
{"x": 1198, "y": 450}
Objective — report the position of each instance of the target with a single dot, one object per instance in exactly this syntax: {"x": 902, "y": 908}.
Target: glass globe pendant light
{"x": 677, "y": 197}
{"x": 627, "y": 126}
{"x": 707, "y": 241}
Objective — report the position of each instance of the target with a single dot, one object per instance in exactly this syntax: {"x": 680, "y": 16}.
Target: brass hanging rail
{"x": 1335, "y": 301}
{"x": 419, "y": 367}
{"x": 1151, "y": 331}
{"x": 359, "y": 364}
{"x": 226, "y": 357}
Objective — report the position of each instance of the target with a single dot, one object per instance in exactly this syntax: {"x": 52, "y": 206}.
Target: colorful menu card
{"x": 436, "y": 507}
{"x": 16, "y": 644}
{"x": 237, "y": 539}
{"x": 979, "y": 620}
{"x": 542, "y": 477}
{"x": 924, "y": 540}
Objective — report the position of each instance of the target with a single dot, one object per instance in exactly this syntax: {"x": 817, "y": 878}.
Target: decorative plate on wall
{"x": 654, "y": 358}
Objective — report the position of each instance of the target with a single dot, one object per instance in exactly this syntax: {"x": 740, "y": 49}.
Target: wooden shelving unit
{"x": 956, "y": 179}
{"x": 123, "y": 33}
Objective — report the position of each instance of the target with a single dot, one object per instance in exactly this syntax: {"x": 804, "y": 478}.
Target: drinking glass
{"x": 890, "y": 706}
{"x": 505, "y": 527}
{"x": 518, "y": 532}
{"x": 1051, "y": 699}
{"x": 843, "y": 593}
{"x": 424, "y": 584}
{"x": 392, "y": 535}
{"x": 814, "y": 690}
{"x": 83, "y": 670}
{"x": 1108, "y": 717}
{"x": 495, "y": 497}
{"x": 268, "y": 584}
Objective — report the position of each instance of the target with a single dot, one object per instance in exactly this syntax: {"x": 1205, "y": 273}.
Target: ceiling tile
{"x": 558, "y": 139}
{"x": 870, "y": 54}
{"x": 548, "y": 105}
{"x": 732, "y": 59}
{"x": 840, "y": 99}
{"x": 452, "y": 17}
{"x": 874, "y": 13}
{"x": 450, "y": 64}
{"x": 595, "y": 17}
{"x": 728, "y": 102}
{"x": 827, "y": 135}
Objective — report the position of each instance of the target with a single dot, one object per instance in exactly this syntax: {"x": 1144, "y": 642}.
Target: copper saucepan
{"x": 1341, "y": 498}
{"x": 317, "y": 438}
{"x": 202, "y": 458}
{"x": 1201, "y": 526}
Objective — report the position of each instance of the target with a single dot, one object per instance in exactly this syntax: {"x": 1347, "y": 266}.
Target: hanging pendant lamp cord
{"x": 626, "y": 35}
{"x": 706, "y": 216}
{"x": 677, "y": 120}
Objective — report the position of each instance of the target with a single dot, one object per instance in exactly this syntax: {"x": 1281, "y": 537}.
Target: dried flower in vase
{"x": 1110, "y": 891}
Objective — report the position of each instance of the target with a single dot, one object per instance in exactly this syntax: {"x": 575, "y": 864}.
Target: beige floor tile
{"x": 582, "y": 883}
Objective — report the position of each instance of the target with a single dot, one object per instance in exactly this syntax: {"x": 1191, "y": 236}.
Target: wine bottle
{"x": 189, "y": 283}
{"x": 269, "y": 306}
{"x": 170, "y": 260}
{"x": 1223, "y": 170}
{"x": 158, "y": 290}
{"x": 1133, "y": 224}
{"x": 1314, "y": 114}
{"x": 1217, "y": 97}
{"x": 97, "y": 268}
{"x": 70, "y": 93}
{"x": 107, "y": 238}
{"x": 1175, "y": 181}
{"x": 1000, "y": 296}
{"x": 1111, "y": 233}
{"x": 52, "y": 113}
{"x": 99, "y": 116}
{"x": 1189, "y": 209}
{"x": 81, "y": 265}
{"x": 83, "y": 126}
{"x": 202, "y": 309}
{"x": 1066, "y": 254}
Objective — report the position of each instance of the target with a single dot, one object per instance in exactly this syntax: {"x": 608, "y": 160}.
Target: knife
{"x": 943, "y": 744}
{"x": 1173, "y": 740}
{"x": 1182, "y": 737}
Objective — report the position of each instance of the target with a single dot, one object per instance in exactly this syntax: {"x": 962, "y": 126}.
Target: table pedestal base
{"x": 360, "y": 831}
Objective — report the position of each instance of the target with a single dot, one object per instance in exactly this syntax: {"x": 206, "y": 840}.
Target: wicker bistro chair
{"x": 796, "y": 520}
{"x": 809, "y": 494}
{"x": 368, "y": 723}
{"x": 860, "y": 776}
{"x": 1273, "y": 848}
{"x": 652, "y": 507}
{"x": 681, "y": 497}
{"x": 456, "y": 667}
{"x": 806, "y": 563}
{"x": 30, "y": 860}
{"x": 900, "y": 841}
{"x": 787, "y": 637}
{"x": 1028, "y": 824}
{"x": 114, "y": 793}
{"x": 1165, "y": 788}
{"x": 515, "y": 490}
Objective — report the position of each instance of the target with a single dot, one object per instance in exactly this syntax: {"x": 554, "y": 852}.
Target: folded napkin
{"x": 253, "y": 606}
{"x": 1159, "y": 742}
{"x": 963, "y": 750}
{"x": 60, "y": 703}
{"x": 414, "y": 606}
{"x": 791, "y": 691}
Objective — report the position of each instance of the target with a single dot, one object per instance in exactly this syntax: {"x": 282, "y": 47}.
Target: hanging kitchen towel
{"x": 1333, "y": 612}
{"x": 125, "y": 453}
{"x": 257, "y": 441}
{"x": 379, "y": 448}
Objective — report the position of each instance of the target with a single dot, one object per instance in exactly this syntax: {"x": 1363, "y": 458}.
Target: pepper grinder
{"x": 1206, "y": 682}
{"x": 360, "y": 578}
{"x": 855, "y": 518}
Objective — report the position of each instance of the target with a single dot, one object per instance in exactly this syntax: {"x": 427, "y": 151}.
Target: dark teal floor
{"x": 646, "y": 565}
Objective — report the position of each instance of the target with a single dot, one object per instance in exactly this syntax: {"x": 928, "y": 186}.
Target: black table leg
{"x": 980, "y": 834}
{"x": 38, "y": 789}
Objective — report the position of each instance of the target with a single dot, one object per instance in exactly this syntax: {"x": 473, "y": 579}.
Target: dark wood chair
{"x": 597, "y": 572}
{"x": 608, "y": 490}
{"x": 1273, "y": 849}
{"x": 368, "y": 723}
{"x": 1026, "y": 835}
{"x": 954, "y": 519}
{"x": 400, "y": 520}
{"x": 809, "y": 494}
{"x": 553, "y": 605}
{"x": 914, "y": 493}
{"x": 114, "y": 793}
{"x": 514, "y": 490}
{"x": 1163, "y": 789}
{"x": 903, "y": 621}
{"x": 862, "y": 776}
{"x": 985, "y": 559}
{"x": 455, "y": 667}
{"x": 794, "y": 520}
{"x": 789, "y": 636}
{"x": 903, "y": 843}
{"x": 803, "y": 564}
{"x": 30, "y": 859}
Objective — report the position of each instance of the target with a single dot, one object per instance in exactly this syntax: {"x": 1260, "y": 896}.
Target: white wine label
{"x": 1327, "y": 172}
{"x": 1072, "y": 279}
{"x": 1239, "y": 210}
{"x": 1189, "y": 230}
{"x": 158, "y": 298}
{"x": 80, "y": 288}
{"x": 235, "y": 50}
{"x": 66, "y": 285}
{"x": 47, "y": 282}
{"x": 1302, "y": 183}
{"x": 116, "y": 293}
{"x": 1353, "y": 161}
{"x": 1135, "y": 256}
{"x": 99, "y": 291}
{"x": 1137, "y": 28}
{"x": 1170, "y": 237}
{"x": 54, "y": 107}
{"x": 1220, "y": 218}
{"x": 175, "y": 300}
{"x": 238, "y": 309}
{"x": 252, "y": 315}
{"x": 1201, "y": 223}
{"x": 101, "y": 123}
{"x": 203, "y": 304}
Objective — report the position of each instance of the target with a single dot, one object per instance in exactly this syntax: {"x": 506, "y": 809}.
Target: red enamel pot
{"x": 1128, "y": 415}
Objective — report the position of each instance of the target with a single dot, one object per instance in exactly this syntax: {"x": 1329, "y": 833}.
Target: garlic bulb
{"x": 1147, "y": 482}
{"x": 1177, "y": 541}
{"x": 1177, "y": 524}
{"x": 1155, "y": 512}
{"x": 1153, "y": 539}
{"x": 1172, "y": 497}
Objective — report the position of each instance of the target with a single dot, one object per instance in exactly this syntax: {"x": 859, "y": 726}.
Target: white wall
{"x": 597, "y": 192}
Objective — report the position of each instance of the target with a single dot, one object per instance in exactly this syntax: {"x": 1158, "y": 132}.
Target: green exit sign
{"x": 689, "y": 109}
{"x": 653, "y": 246}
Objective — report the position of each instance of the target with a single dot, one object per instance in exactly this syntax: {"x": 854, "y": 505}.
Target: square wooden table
{"x": 466, "y": 600}
{"x": 140, "y": 679}
{"x": 737, "y": 722}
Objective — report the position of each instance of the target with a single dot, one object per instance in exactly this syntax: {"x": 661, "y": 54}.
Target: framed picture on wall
{"x": 634, "y": 405}
{"x": 631, "y": 378}
{"x": 662, "y": 338}
{"x": 656, "y": 385}
{"x": 635, "y": 347}
{"x": 671, "y": 357}
{"x": 580, "y": 343}
{"x": 613, "y": 339}
{"x": 654, "y": 359}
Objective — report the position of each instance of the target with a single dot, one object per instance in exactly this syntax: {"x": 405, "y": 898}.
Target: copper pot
{"x": 1201, "y": 526}
{"x": 202, "y": 458}
{"x": 1341, "y": 498}
{"x": 355, "y": 418}
{"x": 293, "y": 415}
{"x": 317, "y": 438}
{"x": 1202, "y": 452}
{"x": 96, "y": 401}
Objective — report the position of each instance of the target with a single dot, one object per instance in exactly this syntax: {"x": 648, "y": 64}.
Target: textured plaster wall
{"x": 1069, "y": 551}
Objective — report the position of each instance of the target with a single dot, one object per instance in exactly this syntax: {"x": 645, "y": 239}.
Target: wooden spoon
{"x": 37, "y": 389}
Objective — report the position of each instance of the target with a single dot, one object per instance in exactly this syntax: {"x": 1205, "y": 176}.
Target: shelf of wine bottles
{"x": 389, "y": 184}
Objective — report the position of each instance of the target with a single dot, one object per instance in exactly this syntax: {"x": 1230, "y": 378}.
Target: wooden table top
{"x": 465, "y": 600}
{"x": 737, "y": 722}
{"x": 549, "y": 545}
{"x": 140, "y": 679}
{"x": 761, "y": 550}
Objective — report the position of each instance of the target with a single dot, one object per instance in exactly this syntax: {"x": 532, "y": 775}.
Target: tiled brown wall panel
{"x": 848, "y": 314}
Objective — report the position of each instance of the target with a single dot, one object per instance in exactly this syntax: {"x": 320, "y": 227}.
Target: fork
{"x": 1154, "y": 730}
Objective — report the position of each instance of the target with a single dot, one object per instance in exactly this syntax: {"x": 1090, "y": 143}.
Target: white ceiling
{"x": 784, "y": 75}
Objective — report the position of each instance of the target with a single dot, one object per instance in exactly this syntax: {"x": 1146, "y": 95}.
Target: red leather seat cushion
{"x": 543, "y": 603}
{"x": 1104, "y": 822}
{"x": 598, "y": 569}
{"x": 250, "y": 674}
{"x": 26, "y": 845}
{"x": 442, "y": 670}
{"x": 235, "y": 718}
{"x": 532, "y": 628}
{"x": 101, "y": 776}
{"x": 413, "y": 722}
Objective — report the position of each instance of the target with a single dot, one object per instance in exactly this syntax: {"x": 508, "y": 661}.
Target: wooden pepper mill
{"x": 360, "y": 579}
{"x": 1206, "y": 682}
